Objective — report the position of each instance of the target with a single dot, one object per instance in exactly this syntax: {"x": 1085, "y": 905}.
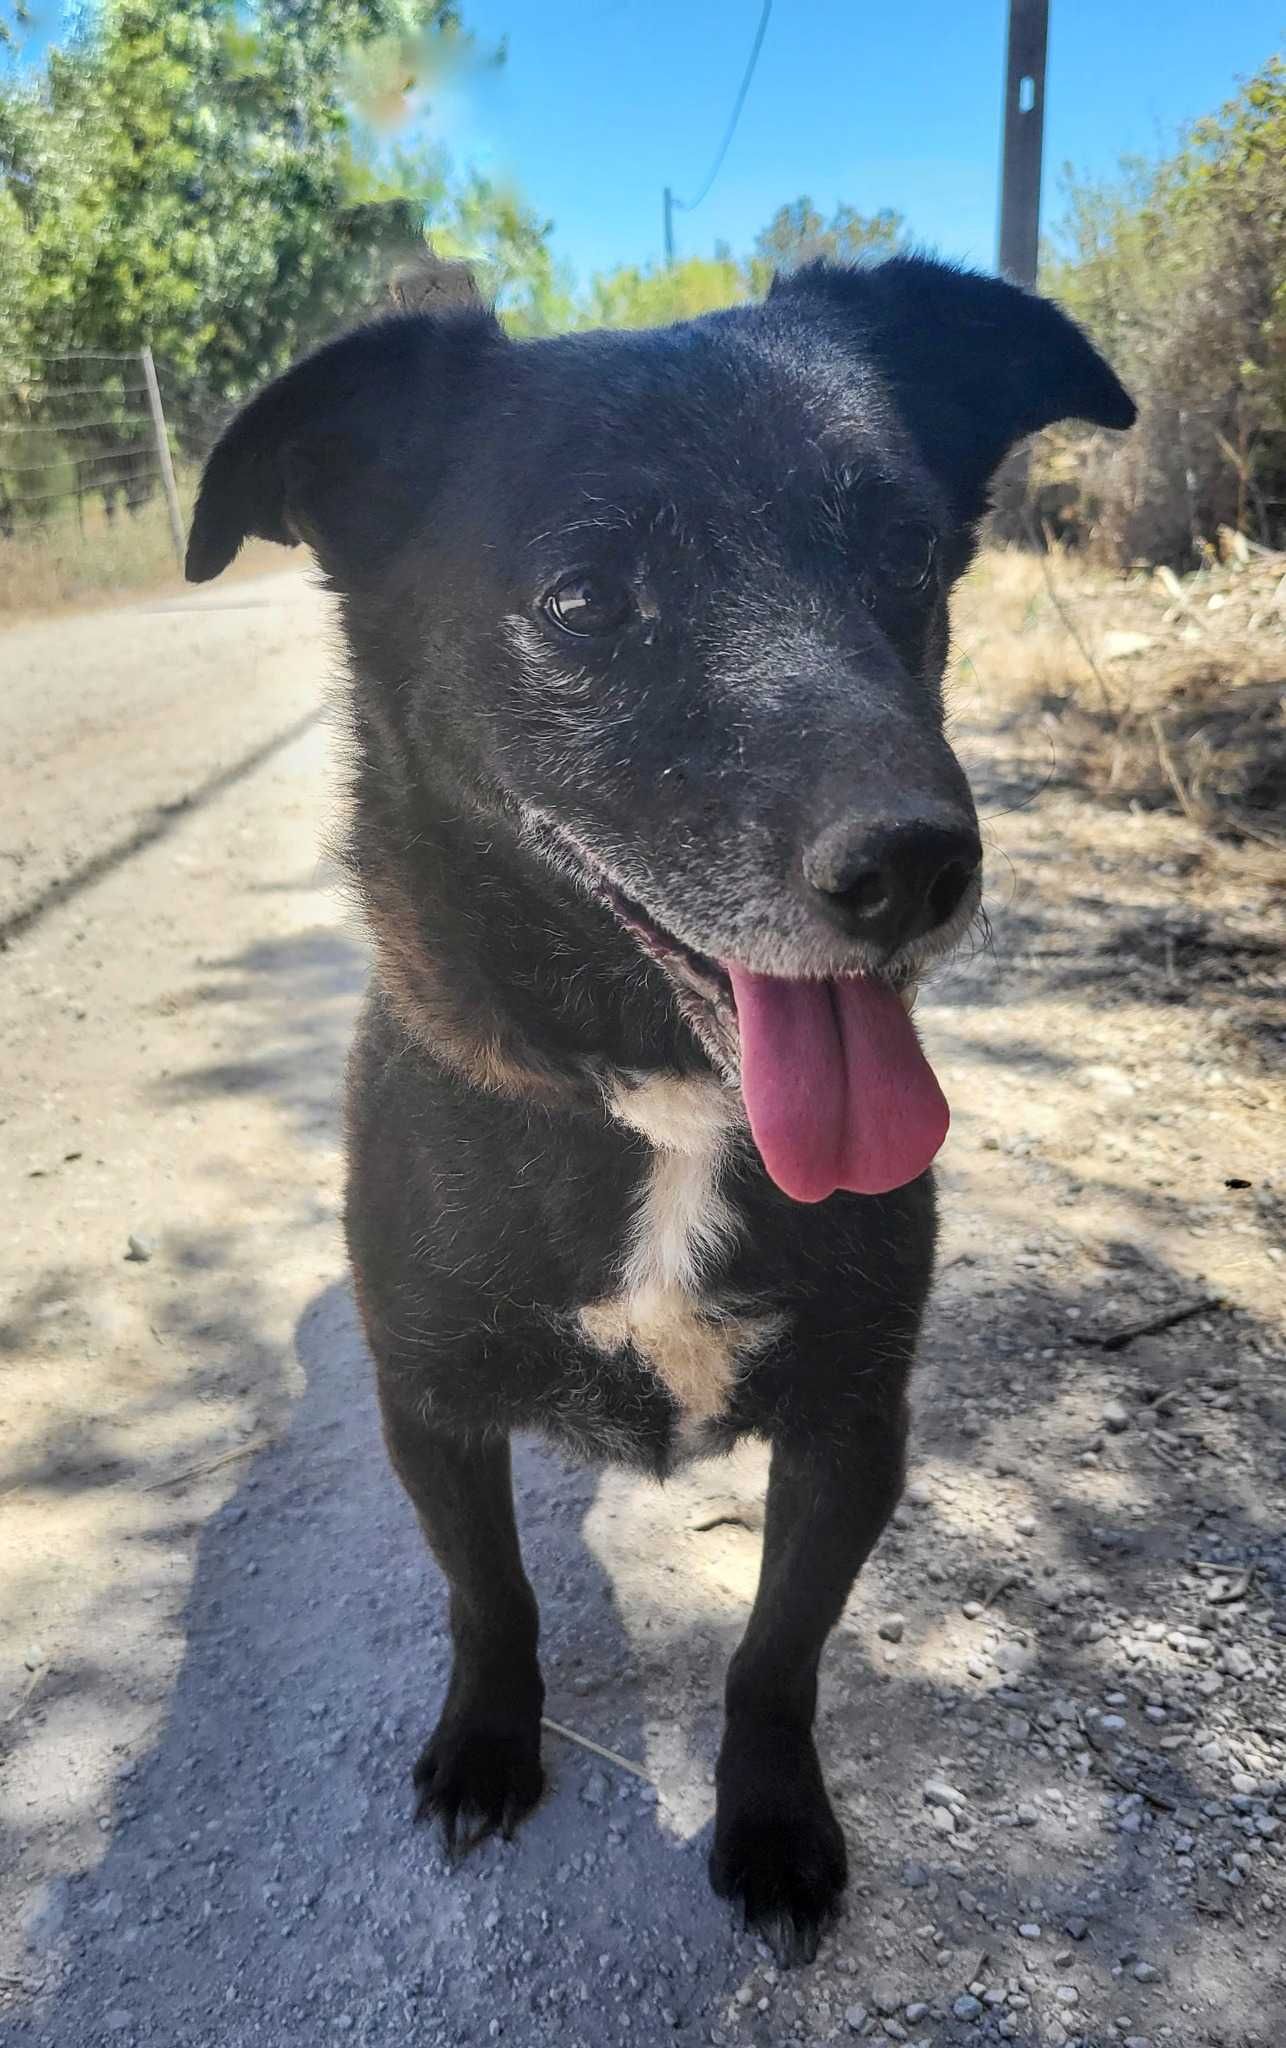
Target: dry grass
{"x": 43, "y": 570}
{"x": 1169, "y": 693}
{"x": 65, "y": 567}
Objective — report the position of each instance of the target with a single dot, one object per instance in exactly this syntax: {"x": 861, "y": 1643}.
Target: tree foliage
{"x": 227, "y": 181}
{"x": 650, "y": 295}
{"x": 646, "y": 296}
{"x": 798, "y": 234}
{"x": 1178, "y": 269}
{"x": 215, "y": 179}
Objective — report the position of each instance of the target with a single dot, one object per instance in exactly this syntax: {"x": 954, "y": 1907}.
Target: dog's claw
{"x": 477, "y": 1778}
{"x": 779, "y": 1851}
{"x": 793, "y": 1942}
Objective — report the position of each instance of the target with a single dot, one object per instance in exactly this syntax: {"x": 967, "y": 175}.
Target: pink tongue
{"x": 838, "y": 1092}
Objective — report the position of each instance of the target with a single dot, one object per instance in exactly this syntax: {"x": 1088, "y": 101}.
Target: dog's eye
{"x": 906, "y": 554}
{"x": 587, "y": 605}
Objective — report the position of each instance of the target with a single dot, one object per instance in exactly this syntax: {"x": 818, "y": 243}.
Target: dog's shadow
{"x": 264, "y": 1876}
{"x": 263, "y": 1879}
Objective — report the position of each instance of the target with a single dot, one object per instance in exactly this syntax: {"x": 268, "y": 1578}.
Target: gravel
{"x": 1071, "y": 1779}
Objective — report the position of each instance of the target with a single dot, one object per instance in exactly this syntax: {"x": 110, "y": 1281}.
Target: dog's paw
{"x": 479, "y": 1771}
{"x": 778, "y": 1849}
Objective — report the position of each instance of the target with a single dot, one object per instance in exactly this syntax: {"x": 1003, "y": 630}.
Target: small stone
{"x": 118, "y": 2019}
{"x": 1109, "y": 1081}
{"x": 1067, "y": 1994}
{"x": 1025, "y": 1525}
{"x": 943, "y": 1819}
{"x": 1118, "y": 644}
{"x": 139, "y": 1249}
{"x": 971, "y": 1610}
{"x": 914, "y": 1876}
{"x": 1236, "y": 1660}
{"x": 892, "y": 1628}
{"x": 1013, "y": 1659}
{"x": 1113, "y": 1723}
{"x": 886, "y": 2000}
{"x": 937, "y": 1792}
{"x": 1017, "y": 1727}
{"x": 1116, "y": 1417}
{"x": 595, "y": 1789}
{"x": 34, "y": 1658}
{"x": 917, "y": 2010}
{"x": 967, "y": 2007}
{"x": 855, "y": 2018}
{"x": 1078, "y": 1929}
{"x": 1146, "y": 1973}
{"x": 1029, "y": 1930}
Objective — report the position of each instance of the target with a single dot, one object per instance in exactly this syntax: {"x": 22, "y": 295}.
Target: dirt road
{"x": 1053, "y": 1717}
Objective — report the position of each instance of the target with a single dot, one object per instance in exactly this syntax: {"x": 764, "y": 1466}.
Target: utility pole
{"x": 667, "y": 201}
{"x": 1024, "y": 137}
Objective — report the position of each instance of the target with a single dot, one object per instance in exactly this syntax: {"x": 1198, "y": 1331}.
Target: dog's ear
{"x": 973, "y": 364}
{"x": 339, "y": 450}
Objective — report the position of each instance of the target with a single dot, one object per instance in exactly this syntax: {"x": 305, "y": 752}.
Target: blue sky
{"x": 603, "y": 102}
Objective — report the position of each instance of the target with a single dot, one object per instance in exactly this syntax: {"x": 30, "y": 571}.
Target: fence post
{"x": 163, "y": 452}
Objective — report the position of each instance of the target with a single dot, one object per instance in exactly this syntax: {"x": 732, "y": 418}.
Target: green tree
{"x": 799, "y": 234}
{"x": 14, "y": 17}
{"x": 652, "y": 295}
{"x": 215, "y": 179}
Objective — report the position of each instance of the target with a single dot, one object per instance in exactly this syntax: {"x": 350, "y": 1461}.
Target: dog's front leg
{"x": 480, "y": 1769}
{"x": 777, "y": 1844}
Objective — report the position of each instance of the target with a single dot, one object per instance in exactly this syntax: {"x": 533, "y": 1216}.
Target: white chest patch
{"x": 664, "y": 1308}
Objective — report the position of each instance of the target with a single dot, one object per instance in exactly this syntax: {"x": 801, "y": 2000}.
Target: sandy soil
{"x": 1053, "y": 1717}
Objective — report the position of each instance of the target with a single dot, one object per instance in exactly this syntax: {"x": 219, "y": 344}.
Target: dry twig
{"x": 610, "y": 1756}
{"x": 257, "y": 1443}
{"x": 1153, "y": 1325}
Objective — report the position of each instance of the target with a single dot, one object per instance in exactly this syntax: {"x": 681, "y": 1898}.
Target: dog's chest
{"x": 667, "y": 1308}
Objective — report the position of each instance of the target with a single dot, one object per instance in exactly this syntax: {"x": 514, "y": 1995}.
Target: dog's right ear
{"x": 339, "y": 451}
{"x": 973, "y": 364}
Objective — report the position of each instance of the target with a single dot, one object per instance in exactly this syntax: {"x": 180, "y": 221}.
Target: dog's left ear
{"x": 973, "y": 364}
{"x": 341, "y": 451}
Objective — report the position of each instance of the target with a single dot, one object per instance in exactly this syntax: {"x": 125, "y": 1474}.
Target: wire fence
{"x": 95, "y": 435}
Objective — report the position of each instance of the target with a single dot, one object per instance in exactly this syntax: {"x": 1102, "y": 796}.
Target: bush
{"x": 1178, "y": 270}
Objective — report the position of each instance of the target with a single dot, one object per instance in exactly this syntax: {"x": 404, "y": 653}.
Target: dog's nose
{"x": 890, "y": 884}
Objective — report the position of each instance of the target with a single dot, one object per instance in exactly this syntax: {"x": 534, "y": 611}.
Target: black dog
{"x": 655, "y": 825}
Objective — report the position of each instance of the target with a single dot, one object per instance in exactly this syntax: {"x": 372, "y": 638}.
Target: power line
{"x": 691, "y": 205}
